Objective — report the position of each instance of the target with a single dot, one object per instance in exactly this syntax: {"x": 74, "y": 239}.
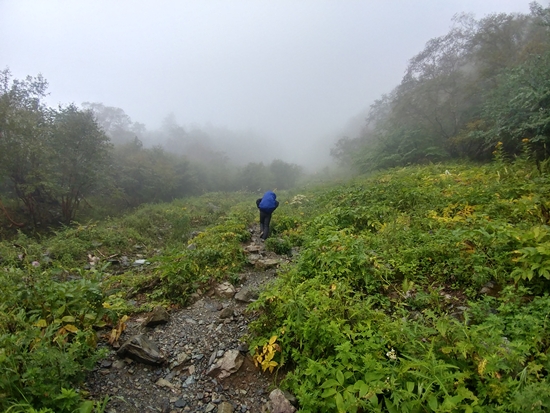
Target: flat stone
{"x": 230, "y": 363}
{"x": 225, "y": 407}
{"x": 141, "y": 349}
{"x": 252, "y": 248}
{"x": 267, "y": 263}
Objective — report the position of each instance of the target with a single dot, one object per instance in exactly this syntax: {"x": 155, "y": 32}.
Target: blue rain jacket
{"x": 268, "y": 202}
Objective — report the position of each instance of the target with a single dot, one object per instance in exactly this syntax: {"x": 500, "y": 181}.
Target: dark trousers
{"x": 265, "y": 219}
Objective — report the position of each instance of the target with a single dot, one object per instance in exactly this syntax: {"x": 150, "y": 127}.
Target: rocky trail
{"x": 194, "y": 359}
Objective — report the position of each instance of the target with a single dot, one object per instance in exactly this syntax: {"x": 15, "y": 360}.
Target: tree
{"x": 255, "y": 177}
{"x": 51, "y": 158}
{"x": 25, "y": 143}
{"x": 284, "y": 175}
{"x": 464, "y": 90}
{"x": 116, "y": 124}
{"x": 519, "y": 108}
{"x": 152, "y": 174}
{"x": 343, "y": 150}
{"x": 81, "y": 157}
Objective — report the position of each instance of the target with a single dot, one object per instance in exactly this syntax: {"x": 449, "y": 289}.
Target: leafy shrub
{"x": 216, "y": 254}
{"x": 278, "y": 245}
{"x": 47, "y": 339}
{"x": 373, "y": 315}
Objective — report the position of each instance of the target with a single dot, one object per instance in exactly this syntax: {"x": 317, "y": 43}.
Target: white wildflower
{"x": 392, "y": 355}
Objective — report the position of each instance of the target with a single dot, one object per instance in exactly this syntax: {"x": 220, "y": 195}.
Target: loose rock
{"x": 227, "y": 312}
{"x": 247, "y": 295}
{"x": 164, "y": 383}
{"x": 194, "y": 341}
{"x": 231, "y": 362}
{"x": 141, "y": 349}
{"x": 278, "y": 403}
{"x": 225, "y": 290}
{"x": 158, "y": 316}
{"x": 225, "y": 407}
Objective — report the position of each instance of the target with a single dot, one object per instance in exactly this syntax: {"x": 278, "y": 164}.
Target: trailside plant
{"x": 47, "y": 337}
{"x": 419, "y": 290}
{"x": 51, "y": 306}
{"x": 213, "y": 255}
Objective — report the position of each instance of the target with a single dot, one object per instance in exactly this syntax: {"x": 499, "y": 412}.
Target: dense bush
{"x": 387, "y": 307}
{"x": 47, "y": 336}
{"x": 417, "y": 289}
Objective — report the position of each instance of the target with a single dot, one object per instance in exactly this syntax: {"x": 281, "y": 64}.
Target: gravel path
{"x": 192, "y": 341}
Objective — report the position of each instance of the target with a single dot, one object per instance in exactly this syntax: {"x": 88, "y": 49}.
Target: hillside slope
{"x": 415, "y": 289}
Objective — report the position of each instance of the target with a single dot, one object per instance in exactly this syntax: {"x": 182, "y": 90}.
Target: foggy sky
{"x": 294, "y": 71}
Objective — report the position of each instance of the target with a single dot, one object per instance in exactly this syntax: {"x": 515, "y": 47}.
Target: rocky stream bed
{"x": 194, "y": 359}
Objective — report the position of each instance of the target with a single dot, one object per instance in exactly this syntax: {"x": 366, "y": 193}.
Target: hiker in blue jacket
{"x": 266, "y": 204}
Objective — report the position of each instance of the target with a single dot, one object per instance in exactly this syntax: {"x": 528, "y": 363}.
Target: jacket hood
{"x": 268, "y": 200}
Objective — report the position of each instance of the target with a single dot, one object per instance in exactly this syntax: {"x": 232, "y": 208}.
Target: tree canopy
{"x": 55, "y": 160}
{"x": 485, "y": 81}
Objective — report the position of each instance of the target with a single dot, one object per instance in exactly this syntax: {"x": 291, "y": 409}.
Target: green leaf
{"x": 432, "y": 402}
{"x": 340, "y": 377}
{"x": 369, "y": 377}
{"x": 86, "y": 407}
{"x": 71, "y": 328}
{"x": 329, "y": 383}
{"x": 340, "y": 403}
{"x": 363, "y": 390}
{"x": 328, "y": 392}
{"x": 446, "y": 350}
{"x": 390, "y": 406}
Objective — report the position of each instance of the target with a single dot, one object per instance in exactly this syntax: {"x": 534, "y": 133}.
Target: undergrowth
{"x": 58, "y": 291}
{"x": 421, "y": 289}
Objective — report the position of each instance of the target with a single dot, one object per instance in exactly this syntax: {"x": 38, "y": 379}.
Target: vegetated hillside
{"x": 416, "y": 289}
{"x": 485, "y": 81}
{"x": 419, "y": 289}
{"x": 65, "y": 164}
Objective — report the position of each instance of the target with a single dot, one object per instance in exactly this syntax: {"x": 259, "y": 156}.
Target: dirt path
{"x": 196, "y": 336}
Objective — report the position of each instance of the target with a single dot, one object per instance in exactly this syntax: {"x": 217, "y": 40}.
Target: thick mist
{"x": 255, "y": 81}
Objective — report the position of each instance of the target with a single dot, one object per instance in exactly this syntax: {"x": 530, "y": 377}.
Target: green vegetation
{"x": 485, "y": 81}
{"x": 60, "y": 165}
{"x": 416, "y": 289}
{"x": 420, "y": 289}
